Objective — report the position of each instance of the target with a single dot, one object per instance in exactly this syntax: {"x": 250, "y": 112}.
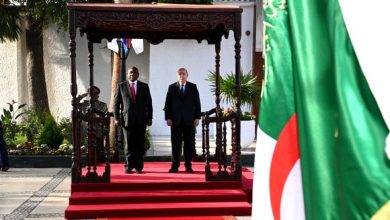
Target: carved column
{"x": 218, "y": 141}
{"x": 237, "y": 46}
{"x": 91, "y": 163}
{"x": 76, "y": 161}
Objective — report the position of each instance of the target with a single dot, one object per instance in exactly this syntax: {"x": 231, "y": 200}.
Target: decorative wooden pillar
{"x": 236, "y": 157}
{"x": 218, "y": 109}
{"x": 91, "y": 161}
{"x": 217, "y": 76}
{"x": 76, "y": 154}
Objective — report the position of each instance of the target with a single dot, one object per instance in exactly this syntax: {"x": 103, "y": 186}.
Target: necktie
{"x": 132, "y": 89}
{"x": 182, "y": 89}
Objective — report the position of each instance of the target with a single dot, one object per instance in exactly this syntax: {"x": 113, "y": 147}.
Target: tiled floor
{"x": 34, "y": 193}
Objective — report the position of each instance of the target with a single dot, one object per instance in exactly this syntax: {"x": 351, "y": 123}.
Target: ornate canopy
{"x": 155, "y": 23}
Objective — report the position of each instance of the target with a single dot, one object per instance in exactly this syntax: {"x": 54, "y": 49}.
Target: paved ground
{"x": 34, "y": 193}
{"x": 42, "y": 193}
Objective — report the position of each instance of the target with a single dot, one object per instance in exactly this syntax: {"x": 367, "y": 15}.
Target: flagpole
{"x": 122, "y": 56}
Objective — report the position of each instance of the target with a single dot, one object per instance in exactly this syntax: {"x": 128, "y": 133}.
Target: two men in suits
{"x": 182, "y": 114}
{"x": 133, "y": 111}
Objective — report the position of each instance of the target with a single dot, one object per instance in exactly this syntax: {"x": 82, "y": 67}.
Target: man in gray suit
{"x": 182, "y": 114}
{"x": 133, "y": 111}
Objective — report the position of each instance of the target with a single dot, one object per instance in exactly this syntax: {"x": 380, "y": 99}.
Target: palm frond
{"x": 249, "y": 86}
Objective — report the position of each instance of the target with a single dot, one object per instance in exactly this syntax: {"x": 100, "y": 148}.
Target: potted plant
{"x": 249, "y": 89}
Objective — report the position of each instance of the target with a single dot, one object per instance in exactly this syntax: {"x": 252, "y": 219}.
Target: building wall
{"x": 8, "y": 71}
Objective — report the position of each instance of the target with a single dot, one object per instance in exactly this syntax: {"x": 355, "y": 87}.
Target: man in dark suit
{"x": 182, "y": 114}
{"x": 133, "y": 111}
{"x": 3, "y": 150}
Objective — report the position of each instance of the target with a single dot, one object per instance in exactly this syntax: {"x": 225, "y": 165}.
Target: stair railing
{"x": 91, "y": 119}
{"x": 223, "y": 173}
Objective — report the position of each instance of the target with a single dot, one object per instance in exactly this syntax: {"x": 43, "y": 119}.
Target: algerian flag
{"x": 321, "y": 147}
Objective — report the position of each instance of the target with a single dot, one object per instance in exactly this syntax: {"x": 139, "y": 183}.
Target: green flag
{"x": 340, "y": 130}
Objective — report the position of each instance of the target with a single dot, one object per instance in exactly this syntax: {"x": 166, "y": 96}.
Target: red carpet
{"x": 157, "y": 193}
{"x": 176, "y": 218}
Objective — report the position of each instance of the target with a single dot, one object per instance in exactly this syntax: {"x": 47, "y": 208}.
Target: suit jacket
{"x": 133, "y": 112}
{"x": 180, "y": 106}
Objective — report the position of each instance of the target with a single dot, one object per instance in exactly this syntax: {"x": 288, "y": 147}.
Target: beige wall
{"x": 8, "y": 72}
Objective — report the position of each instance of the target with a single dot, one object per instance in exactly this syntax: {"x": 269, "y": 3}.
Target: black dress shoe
{"x": 127, "y": 170}
{"x": 173, "y": 170}
{"x": 138, "y": 171}
{"x": 5, "y": 168}
{"x": 189, "y": 170}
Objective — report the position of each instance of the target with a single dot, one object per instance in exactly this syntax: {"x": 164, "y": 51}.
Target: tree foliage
{"x": 46, "y": 12}
{"x": 42, "y": 12}
{"x": 9, "y": 23}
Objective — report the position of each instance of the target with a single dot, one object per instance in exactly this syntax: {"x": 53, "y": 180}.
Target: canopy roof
{"x": 154, "y": 22}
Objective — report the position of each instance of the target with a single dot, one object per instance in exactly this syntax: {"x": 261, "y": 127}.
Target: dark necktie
{"x": 132, "y": 89}
{"x": 182, "y": 89}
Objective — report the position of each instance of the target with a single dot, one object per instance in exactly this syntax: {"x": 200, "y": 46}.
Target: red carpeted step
{"x": 175, "y": 218}
{"x": 153, "y": 196}
{"x": 247, "y": 182}
{"x": 158, "y": 209}
{"x": 159, "y": 194}
{"x": 136, "y": 186}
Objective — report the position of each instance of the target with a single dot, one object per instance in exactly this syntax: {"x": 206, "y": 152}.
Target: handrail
{"x": 220, "y": 151}
{"x": 94, "y": 118}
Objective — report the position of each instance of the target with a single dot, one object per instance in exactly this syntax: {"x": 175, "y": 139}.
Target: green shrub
{"x": 65, "y": 126}
{"x": 8, "y": 119}
{"x": 20, "y": 139}
{"x": 147, "y": 140}
{"x": 36, "y": 133}
{"x": 50, "y": 134}
{"x": 32, "y": 124}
